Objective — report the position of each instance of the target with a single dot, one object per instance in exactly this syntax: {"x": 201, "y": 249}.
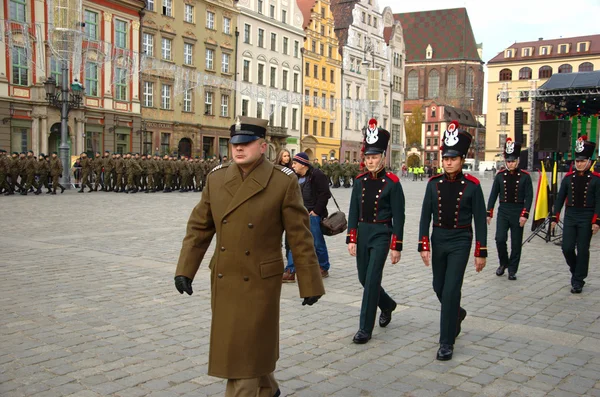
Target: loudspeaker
{"x": 555, "y": 135}
{"x": 519, "y": 125}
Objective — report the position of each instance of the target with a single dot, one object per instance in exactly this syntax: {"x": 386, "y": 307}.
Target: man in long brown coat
{"x": 248, "y": 204}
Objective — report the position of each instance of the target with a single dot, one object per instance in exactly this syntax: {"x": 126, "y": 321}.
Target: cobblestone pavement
{"x": 88, "y": 308}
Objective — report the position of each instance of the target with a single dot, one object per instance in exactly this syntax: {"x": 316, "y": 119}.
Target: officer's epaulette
{"x": 361, "y": 175}
{"x": 472, "y": 179}
{"x": 435, "y": 177}
{"x": 596, "y": 174}
{"x": 569, "y": 173}
{"x": 285, "y": 170}
{"x": 218, "y": 167}
{"x": 523, "y": 171}
{"x": 393, "y": 177}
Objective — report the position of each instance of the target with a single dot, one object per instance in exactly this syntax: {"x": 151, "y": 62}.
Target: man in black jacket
{"x": 314, "y": 186}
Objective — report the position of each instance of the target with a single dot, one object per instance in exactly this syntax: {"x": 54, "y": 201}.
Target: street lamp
{"x": 372, "y": 79}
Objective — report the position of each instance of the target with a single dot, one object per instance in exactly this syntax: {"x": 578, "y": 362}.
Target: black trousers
{"x": 450, "y": 250}
{"x": 508, "y": 219}
{"x": 577, "y": 235}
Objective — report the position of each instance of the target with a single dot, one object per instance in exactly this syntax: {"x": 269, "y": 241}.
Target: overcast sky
{"x": 500, "y": 23}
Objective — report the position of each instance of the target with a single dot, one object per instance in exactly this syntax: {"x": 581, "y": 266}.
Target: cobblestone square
{"x": 88, "y": 308}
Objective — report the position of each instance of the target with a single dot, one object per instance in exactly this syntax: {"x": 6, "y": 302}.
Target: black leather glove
{"x": 183, "y": 283}
{"x": 311, "y": 300}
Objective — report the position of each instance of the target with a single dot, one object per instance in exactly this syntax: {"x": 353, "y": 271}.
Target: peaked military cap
{"x": 455, "y": 142}
{"x": 247, "y": 129}
{"x": 512, "y": 150}
{"x": 376, "y": 139}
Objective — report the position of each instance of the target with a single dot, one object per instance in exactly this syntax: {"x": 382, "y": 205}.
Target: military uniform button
{"x": 246, "y": 278}
{"x": 224, "y": 220}
{"x": 220, "y": 275}
{"x": 250, "y": 225}
{"x": 222, "y": 248}
{"x": 247, "y": 253}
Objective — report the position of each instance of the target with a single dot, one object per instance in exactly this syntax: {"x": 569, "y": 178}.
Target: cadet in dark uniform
{"x": 375, "y": 226}
{"x": 248, "y": 204}
{"x": 581, "y": 190}
{"x": 452, "y": 201}
{"x": 515, "y": 189}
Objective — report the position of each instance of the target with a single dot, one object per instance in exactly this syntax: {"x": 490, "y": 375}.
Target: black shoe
{"x": 445, "y": 352}
{"x": 54, "y": 193}
{"x": 361, "y": 337}
{"x": 461, "y": 316}
{"x": 37, "y": 192}
{"x": 386, "y": 316}
{"x": 576, "y": 289}
{"x": 62, "y": 190}
{"x": 512, "y": 276}
{"x": 500, "y": 270}
{"x": 49, "y": 191}
{"x": 80, "y": 191}
{"x": 277, "y": 393}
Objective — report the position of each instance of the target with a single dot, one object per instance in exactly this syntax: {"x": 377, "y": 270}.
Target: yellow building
{"x": 322, "y": 82}
{"x": 525, "y": 66}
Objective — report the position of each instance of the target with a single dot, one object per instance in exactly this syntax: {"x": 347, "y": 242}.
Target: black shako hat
{"x": 247, "y": 129}
{"x": 584, "y": 149}
{"x": 455, "y": 142}
{"x": 512, "y": 150}
{"x": 376, "y": 139}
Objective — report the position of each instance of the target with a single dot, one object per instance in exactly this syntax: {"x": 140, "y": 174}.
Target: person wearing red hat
{"x": 514, "y": 188}
{"x": 453, "y": 201}
{"x": 375, "y": 228}
{"x": 580, "y": 190}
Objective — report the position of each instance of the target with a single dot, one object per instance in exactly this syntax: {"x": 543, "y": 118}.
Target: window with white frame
{"x": 259, "y": 110}
{"x": 225, "y": 60}
{"x": 120, "y": 34}
{"x": 272, "y": 10}
{"x": 167, "y": 44}
{"x": 296, "y": 78}
{"x": 188, "y": 13}
{"x": 246, "y": 71}
{"x": 148, "y": 94}
{"x": 246, "y": 33}
{"x": 208, "y": 103}
{"x": 121, "y": 84}
{"x": 284, "y": 80}
{"x": 283, "y": 16}
{"x": 19, "y": 66}
{"x": 188, "y": 53}
{"x": 224, "y": 105}
{"x": 261, "y": 38}
{"x": 150, "y": 5}
{"x": 273, "y": 77}
{"x": 187, "y": 100}
{"x": 245, "y": 104}
{"x": 17, "y": 10}
{"x": 91, "y": 25}
{"x": 91, "y": 79}
{"x": 261, "y": 74}
{"x": 210, "y": 58}
{"x": 226, "y": 25}
{"x": 167, "y": 8}
{"x": 272, "y": 114}
{"x": 285, "y": 45}
{"x": 148, "y": 44}
{"x": 260, "y": 6}
{"x": 283, "y": 121}
{"x": 165, "y": 97}
{"x": 294, "y": 118}
{"x": 210, "y": 20}
{"x": 296, "y": 48}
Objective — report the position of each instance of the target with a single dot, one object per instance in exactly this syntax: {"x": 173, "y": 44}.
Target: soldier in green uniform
{"x": 515, "y": 189}
{"x": 581, "y": 191}
{"x": 347, "y": 173}
{"x": 14, "y": 169}
{"x": 375, "y": 227}
{"x": 28, "y": 168}
{"x": 133, "y": 174}
{"x": 151, "y": 172}
{"x": 42, "y": 170}
{"x": 86, "y": 170}
{"x": 336, "y": 173}
{"x": 108, "y": 165}
{"x": 119, "y": 171}
{"x": 97, "y": 165}
{"x": 452, "y": 201}
{"x": 168, "y": 166}
{"x": 316, "y": 164}
{"x": 4, "y": 173}
{"x": 56, "y": 170}
{"x": 159, "y": 177}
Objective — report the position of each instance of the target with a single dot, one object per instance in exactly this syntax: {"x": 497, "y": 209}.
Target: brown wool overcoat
{"x": 249, "y": 216}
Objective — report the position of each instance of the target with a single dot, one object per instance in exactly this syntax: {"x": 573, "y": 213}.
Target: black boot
{"x": 361, "y": 337}
{"x": 62, "y": 189}
{"x": 461, "y": 316}
{"x": 53, "y": 192}
{"x": 445, "y": 352}
{"x": 38, "y": 192}
{"x": 49, "y": 191}
{"x": 386, "y": 316}
{"x": 500, "y": 270}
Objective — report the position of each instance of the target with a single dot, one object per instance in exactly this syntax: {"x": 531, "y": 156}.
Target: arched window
{"x": 412, "y": 85}
{"x": 586, "y": 67}
{"x": 451, "y": 84}
{"x": 469, "y": 81}
{"x": 505, "y": 75}
{"x": 565, "y": 68}
{"x": 433, "y": 84}
{"x": 545, "y": 72}
{"x": 525, "y": 73}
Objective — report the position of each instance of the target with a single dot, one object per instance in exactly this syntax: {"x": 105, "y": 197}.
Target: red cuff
{"x": 595, "y": 219}
{"x": 351, "y": 236}
{"x": 480, "y": 252}
{"x": 524, "y": 213}
{"x": 490, "y": 213}
{"x": 396, "y": 244}
{"x": 557, "y": 217}
{"x": 424, "y": 244}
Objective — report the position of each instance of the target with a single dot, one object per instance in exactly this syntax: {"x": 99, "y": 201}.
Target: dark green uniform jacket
{"x": 513, "y": 188}
{"x": 580, "y": 190}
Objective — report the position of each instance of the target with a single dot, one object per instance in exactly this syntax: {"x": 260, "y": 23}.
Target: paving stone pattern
{"x": 88, "y": 308}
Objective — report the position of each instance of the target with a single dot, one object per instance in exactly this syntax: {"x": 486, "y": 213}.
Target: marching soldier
{"x": 515, "y": 189}
{"x": 248, "y": 204}
{"x": 86, "y": 169}
{"x": 28, "y": 168}
{"x": 119, "y": 171}
{"x": 108, "y": 166}
{"x": 151, "y": 171}
{"x": 5, "y": 162}
{"x": 43, "y": 169}
{"x": 97, "y": 165}
{"x": 184, "y": 171}
{"x": 169, "y": 168}
{"x": 375, "y": 227}
{"x": 133, "y": 174}
{"x": 56, "y": 170}
{"x": 581, "y": 191}
{"x": 198, "y": 174}
{"x": 15, "y": 169}
{"x": 452, "y": 201}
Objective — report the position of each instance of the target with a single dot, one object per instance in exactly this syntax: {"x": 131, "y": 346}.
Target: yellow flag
{"x": 554, "y": 174}
{"x": 541, "y": 201}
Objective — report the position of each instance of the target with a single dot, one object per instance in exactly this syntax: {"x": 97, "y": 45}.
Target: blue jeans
{"x": 320, "y": 246}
